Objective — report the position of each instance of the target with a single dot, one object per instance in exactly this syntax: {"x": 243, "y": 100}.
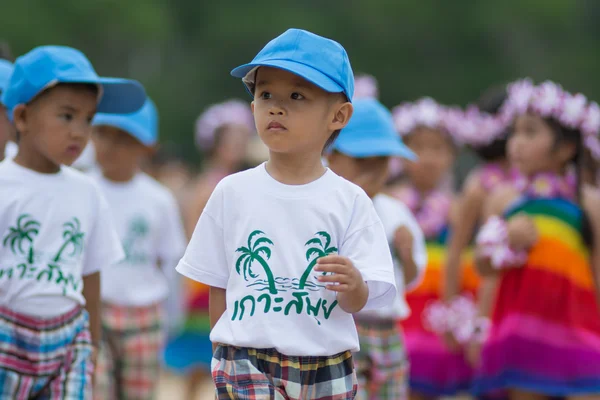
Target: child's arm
{"x": 404, "y": 244}
{"x": 486, "y": 297}
{"x": 91, "y": 293}
{"x": 216, "y": 307}
{"x": 591, "y": 204}
{"x": 347, "y": 280}
{"x": 468, "y": 212}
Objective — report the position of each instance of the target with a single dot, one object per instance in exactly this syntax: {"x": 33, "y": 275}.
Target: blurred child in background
{"x": 150, "y": 228}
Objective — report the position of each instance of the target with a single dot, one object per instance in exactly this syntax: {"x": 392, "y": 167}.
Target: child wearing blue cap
{"x": 6, "y": 128}
{"x": 55, "y": 226}
{"x": 149, "y": 224}
{"x": 290, "y": 249}
{"x": 362, "y": 154}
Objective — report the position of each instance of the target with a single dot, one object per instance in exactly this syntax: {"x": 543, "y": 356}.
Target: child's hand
{"x": 403, "y": 242}
{"x": 345, "y": 278}
{"x": 522, "y": 232}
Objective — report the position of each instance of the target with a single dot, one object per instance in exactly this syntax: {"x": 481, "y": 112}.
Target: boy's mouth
{"x": 74, "y": 150}
{"x": 276, "y": 126}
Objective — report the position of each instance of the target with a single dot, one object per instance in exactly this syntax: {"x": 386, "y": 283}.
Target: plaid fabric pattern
{"x": 381, "y": 364}
{"x": 129, "y": 359}
{"x": 45, "y": 358}
{"x": 266, "y": 374}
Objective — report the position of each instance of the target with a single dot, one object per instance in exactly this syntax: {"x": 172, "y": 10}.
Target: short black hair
{"x": 491, "y": 102}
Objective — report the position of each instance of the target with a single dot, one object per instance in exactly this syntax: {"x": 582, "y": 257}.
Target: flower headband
{"x": 232, "y": 112}
{"x": 365, "y": 86}
{"x": 550, "y": 100}
{"x": 476, "y": 128}
{"x": 428, "y": 113}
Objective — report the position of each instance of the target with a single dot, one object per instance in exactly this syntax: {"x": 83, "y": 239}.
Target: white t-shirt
{"x": 259, "y": 239}
{"x": 394, "y": 214}
{"x": 56, "y": 229}
{"x": 11, "y": 149}
{"x": 149, "y": 224}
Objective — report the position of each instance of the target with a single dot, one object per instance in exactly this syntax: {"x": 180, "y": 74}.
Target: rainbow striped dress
{"x": 545, "y": 335}
{"x": 434, "y": 369}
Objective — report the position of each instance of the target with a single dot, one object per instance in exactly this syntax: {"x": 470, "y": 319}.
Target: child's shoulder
{"x": 384, "y": 202}
{"x": 154, "y": 188}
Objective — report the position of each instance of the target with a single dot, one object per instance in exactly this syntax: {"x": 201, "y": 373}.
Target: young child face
{"x": 532, "y": 146}
{"x": 292, "y": 115}
{"x": 117, "y": 152}
{"x": 56, "y": 126}
{"x": 230, "y": 145}
{"x": 370, "y": 173}
{"x": 435, "y": 157}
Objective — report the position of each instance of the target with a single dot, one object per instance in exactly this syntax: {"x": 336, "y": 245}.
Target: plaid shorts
{"x": 266, "y": 374}
{"x": 45, "y": 358}
{"x": 381, "y": 363}
{"x": 129, "y": 358}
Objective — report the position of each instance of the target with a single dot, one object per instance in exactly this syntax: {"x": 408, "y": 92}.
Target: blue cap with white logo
{"x": 142, "y": 124}
{"x": 6, "y": 69}
{"x": 371, "y": 133}
{"x": 319, "y": 60}
{"x": 46, "y": 66}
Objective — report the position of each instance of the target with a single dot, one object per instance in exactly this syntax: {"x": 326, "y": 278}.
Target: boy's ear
{"x": 252, "y": 107}
{"x": 20, "y": 119}
{"x": 342, "y": 112}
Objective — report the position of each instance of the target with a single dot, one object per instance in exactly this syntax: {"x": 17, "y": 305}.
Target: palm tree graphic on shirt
{"x": 319, "y": 247}
{"x": 73, "y": 237}
{"x": 23, "y": 233}
{"x": 254, "y": 251}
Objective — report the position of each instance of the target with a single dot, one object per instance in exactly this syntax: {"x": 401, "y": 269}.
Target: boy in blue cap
{"x": 5, "y": 126}
{"x": 55, "y": 226}
{"x": 361, "y": 154}
{"x": 290, "y": 249}
{"x": 148, "y": 222}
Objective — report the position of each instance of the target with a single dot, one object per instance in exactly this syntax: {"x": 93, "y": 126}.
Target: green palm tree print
{"x": 72, "y": 235}
{"x": 25, "y": 231}
{"x": 253, "y": 253}
{"x": 318, "y": 248}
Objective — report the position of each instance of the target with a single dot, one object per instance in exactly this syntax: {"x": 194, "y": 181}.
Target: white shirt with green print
{"x": 260, "y": 239}
{"x": 55, "y": 229}
{"x": 149, "y": 224}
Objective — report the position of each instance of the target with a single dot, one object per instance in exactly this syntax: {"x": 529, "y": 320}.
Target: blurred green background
{"x": 183, "y": 50}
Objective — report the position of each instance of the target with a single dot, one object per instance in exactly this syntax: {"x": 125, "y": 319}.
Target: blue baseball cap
{"x": 371, "y": 133}
{"x": 46, "y": 66}
{"x": 142, "y": 124}
{"x": 6, "y": 69}
{"x": 319, "y": 60}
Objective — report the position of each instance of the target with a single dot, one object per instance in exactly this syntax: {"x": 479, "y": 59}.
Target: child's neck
{"x": 295, "y": 169}
{"x": 36, "y": 162}
{"x": 120, "y": 176}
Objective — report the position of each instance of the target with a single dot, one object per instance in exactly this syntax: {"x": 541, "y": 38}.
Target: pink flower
{"x": 365, "y": 86}
{"x": 428, "y": 112}
{"x": 404, "y": 119}
{"x": 591, "y": 122}
{"x": 547, "y": 98}
{"x": 573, "y": 110}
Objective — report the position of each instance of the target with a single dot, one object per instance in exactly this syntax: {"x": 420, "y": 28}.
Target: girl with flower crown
{"x": 223, "y": 132}
{"x": 542, "y": 241}
{"x": 429, "y": 129}
{"x": 483, "y": 131}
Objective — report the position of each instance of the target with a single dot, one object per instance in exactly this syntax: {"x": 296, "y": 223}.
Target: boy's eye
{"x": 297, "y": 96}
{"x": 265, "y": 95}
{"x": 67, "y": 116}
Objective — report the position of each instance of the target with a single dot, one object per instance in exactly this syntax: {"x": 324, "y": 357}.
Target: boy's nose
{"x": 276, "y": 110}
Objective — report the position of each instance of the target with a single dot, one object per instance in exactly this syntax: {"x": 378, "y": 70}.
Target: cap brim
{"x": 125, "y": 124}
{"x": 312, "y": 75}
{"x": 119, "y": 96}
{"x": 374, "y": 148}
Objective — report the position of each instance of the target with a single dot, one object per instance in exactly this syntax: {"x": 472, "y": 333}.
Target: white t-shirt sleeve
{"x": 171, "y": 243}
{"x": 419, "y": 249}
{"x": 367, "y": 247}
{"x": 104, "y": 247}
{"x": 204, "y": 259}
